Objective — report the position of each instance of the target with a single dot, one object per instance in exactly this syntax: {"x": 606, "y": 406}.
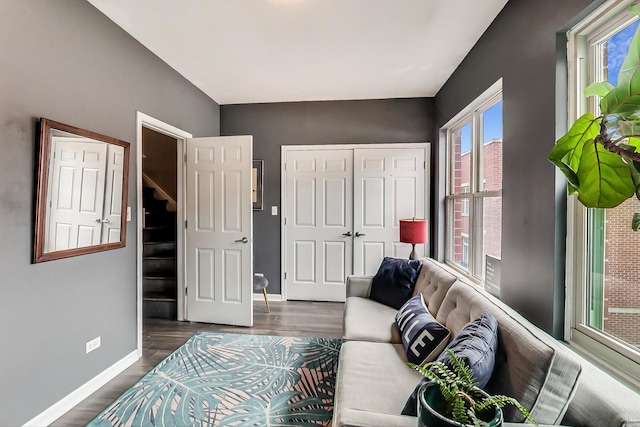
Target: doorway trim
{"x": 283, "y": 186}
{"x": 144, "y": 120}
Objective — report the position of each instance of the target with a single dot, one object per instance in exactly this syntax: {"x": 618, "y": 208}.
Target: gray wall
{"x": 65, "y": 61}
{"x": 315, "y": 123}
{"x": 520, "y": 47}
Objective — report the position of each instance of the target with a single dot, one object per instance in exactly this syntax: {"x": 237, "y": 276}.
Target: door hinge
{"x": 424, "y": 165}
{"x": 285, "y": 220}
{"x": 186, "y": 291}
{"x": 185, "y": 157}
{"x": 186, "y": 224}
{"x": 285, "y": 275}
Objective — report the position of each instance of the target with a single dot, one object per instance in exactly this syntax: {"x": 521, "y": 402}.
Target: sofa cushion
{"x": 476, "y": 345}
{"x": 528, "y": 366}
{"x": 422, "y": 336}
{"x": 433, "y": 283}
{"x": 372, "y": 377}
{"x": 394, "y": 282}
{"x": 367, "y": 320}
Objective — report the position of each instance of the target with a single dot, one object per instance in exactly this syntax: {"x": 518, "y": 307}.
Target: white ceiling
{"x": 250, "y": 51}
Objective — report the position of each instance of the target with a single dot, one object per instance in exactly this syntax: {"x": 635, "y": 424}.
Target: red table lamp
{"x": 413, "y": 231}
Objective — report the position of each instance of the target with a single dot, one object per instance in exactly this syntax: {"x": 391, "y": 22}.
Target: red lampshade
{"x": 413, "y": 230}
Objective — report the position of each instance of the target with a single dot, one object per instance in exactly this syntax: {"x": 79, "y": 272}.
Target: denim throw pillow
{"x": 476, "y": 345}
{"x": 394, "y": 282}
{"x": 423, "y": 337}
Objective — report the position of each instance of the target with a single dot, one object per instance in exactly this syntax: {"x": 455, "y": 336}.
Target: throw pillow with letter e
{"x": 423, "y": 337}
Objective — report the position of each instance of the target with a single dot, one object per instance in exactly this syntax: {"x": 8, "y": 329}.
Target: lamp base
{"x": 412, "y": 255}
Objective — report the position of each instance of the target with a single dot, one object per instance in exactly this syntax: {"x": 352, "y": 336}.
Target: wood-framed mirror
{"x": 81, "y": 199}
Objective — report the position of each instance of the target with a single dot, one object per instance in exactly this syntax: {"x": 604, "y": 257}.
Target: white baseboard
{"x": 59, "y": 408}
{"x": 270, "y": 297}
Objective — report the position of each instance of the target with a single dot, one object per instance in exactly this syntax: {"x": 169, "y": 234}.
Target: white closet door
{"x": 319, "y": 222}
{"x": 389, "y": 184}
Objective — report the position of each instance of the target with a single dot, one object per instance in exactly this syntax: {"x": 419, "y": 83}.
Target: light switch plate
{"x": 274, "y": 210}
{"x": 128, "y": 213}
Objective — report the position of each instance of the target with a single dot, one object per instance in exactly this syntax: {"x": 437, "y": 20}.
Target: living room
{"x": 67, "y": 61}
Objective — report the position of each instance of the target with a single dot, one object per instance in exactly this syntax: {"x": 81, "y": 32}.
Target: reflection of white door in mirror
{"x": 81, "y": 192}
{"x": 84, "y": 193}
{"x": 112, "y": 213}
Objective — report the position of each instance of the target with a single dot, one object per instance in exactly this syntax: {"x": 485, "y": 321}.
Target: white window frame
{"x": 612, "y": 355}
{"x": 472, "y": 113}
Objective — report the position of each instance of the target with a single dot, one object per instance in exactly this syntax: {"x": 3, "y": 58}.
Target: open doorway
{"x": 159, "y": 226}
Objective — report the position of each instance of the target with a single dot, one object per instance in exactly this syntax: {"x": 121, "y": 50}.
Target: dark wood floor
{"x": 162, "y": 337}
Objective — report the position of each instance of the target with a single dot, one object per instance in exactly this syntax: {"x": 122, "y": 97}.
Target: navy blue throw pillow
{"x": 423, "y": 337}
{"x": 476, "y": 345}
{"x": 394, "y": 282}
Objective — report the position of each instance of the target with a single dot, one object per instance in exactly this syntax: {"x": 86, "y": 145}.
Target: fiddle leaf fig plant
{"x": 600, "y": 156}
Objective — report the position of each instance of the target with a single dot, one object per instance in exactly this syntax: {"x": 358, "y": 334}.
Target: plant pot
{"x": 429, "y": 397}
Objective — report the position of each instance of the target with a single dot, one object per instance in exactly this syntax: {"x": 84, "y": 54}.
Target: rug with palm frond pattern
{"x": 222, "y": 379}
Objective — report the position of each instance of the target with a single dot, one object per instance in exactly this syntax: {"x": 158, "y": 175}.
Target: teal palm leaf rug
{"x": 221, "y": 379}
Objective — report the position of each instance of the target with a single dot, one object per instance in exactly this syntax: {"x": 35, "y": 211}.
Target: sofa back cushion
{"x": 528, "y": 366}
{"x": 433, "y": 283}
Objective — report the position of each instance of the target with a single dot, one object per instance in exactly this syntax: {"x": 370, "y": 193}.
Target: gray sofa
{"x": 549, "y": 379}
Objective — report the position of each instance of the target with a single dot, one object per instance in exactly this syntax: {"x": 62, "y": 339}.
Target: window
{"x": 465, "y": 202}
{"x": 474, "y": 184}
{"x": 603, "y": 272}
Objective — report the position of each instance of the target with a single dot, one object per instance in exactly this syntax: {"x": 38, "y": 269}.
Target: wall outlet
{"x": 274, "y": 210}
{"x": 93, "y": 344}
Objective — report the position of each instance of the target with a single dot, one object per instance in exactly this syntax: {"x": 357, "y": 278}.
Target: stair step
{"x": 165, "y": 285}
{"x": 159, "y": 218}
{"x": 154, "y": 205}
{"x": 160, "y": 309}
{"x": 167, "y": 248}
{"x": 159, "y": 234}
{"x": 148, "y": 191}
{"x": 159, "y": 267}
{"x": 159, "y": 296}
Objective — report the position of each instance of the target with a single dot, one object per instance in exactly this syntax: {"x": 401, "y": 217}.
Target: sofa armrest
{"x": 357, "y": 418}
{"x": 359, "y": 286}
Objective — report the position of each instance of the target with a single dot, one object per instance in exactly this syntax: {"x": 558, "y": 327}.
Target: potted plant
{"x": 452, "y": 398}
{"x": 600, "y": 156}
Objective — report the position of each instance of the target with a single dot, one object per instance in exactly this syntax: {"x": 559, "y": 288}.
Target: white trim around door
{"x": 143, "y": 120}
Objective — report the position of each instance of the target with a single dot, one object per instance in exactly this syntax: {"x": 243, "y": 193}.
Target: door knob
{"x": 359, "y": 234}
{"x": 106, "y": 221}
{"x": 98, "y": 220}
{"x": 243, "y": 240}
{"x": 347, "y": 234}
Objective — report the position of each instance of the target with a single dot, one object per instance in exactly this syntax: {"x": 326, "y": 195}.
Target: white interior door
{"x": 112, "y": 216}
{"x": 219, "y": 230}
{"x": 319, "y": 223}
{"x": 77, "y": 193}
{"x": 389, "y": 184}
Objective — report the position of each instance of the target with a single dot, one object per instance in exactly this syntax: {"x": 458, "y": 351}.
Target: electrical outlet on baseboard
{"x": 93, "y": 344}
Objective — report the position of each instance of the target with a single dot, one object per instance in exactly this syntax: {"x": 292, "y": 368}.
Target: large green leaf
{"x": 627, "y": 128}
{"x": 598, "y": 88}
{"x": 635, "y": 222}
{"x": 625, "y": 97}
{"x": 605, "y": 180}
{"x": 568, "y": 150}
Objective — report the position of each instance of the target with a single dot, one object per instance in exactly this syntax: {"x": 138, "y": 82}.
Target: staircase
{"x": 159, "y": 265}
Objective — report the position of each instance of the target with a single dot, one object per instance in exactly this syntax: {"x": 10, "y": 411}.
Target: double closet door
{"x": 342, "y": 212}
